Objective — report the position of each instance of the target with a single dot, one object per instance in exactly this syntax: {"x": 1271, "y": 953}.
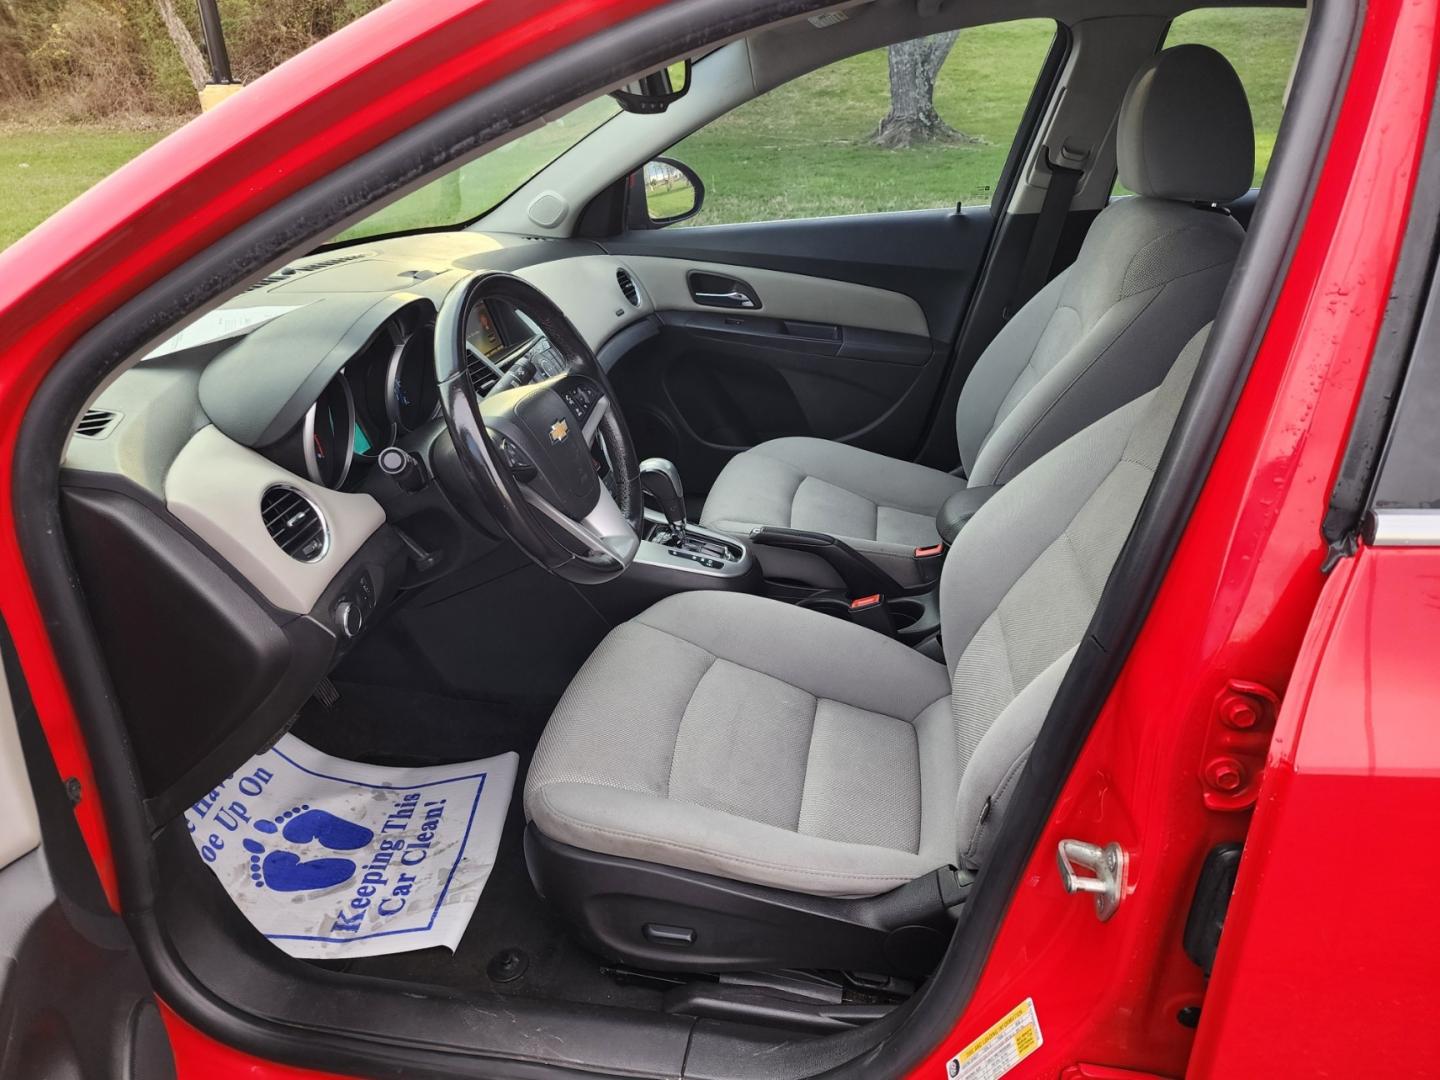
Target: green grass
{"x": 474, "y": 188}
{"x": 802, "y": 150}
{"x": 42, "y": 169}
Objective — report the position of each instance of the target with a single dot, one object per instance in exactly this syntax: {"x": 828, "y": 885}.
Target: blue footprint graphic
{"x": 301, "y": 825}
{"x": 284, "y": 871}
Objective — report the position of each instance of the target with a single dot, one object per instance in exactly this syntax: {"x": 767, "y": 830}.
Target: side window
{"x": 921, "y": 125}
{"x": 1261, "y": 43}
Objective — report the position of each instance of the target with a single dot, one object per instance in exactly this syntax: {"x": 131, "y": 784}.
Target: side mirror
{"x": 662, "y": 192}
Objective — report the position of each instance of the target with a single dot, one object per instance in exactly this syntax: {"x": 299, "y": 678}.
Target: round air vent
{"x": 627, "y": 286}
{"x": 294, "y": 523}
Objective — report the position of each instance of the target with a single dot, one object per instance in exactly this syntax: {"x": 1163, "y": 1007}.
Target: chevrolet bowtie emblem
{"x": 559, "y": 431}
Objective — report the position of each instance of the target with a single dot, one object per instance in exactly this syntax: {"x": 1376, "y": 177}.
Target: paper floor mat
{"x": 329, "y": 858}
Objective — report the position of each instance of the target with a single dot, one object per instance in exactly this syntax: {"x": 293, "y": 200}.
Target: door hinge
{"x": 1236, "y": 743}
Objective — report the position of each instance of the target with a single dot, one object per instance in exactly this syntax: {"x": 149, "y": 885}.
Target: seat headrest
{"x": 1185, "y": 129}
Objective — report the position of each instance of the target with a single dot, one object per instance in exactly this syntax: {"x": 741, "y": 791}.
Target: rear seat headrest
{"x": 1185, "y": 130}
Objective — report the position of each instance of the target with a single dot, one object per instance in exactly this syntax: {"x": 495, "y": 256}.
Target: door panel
{"x": 21, "y": 832}
{"x": 850, "y": 332}
{"x": 74, "y": 998}
{"x": 684, "y": 284}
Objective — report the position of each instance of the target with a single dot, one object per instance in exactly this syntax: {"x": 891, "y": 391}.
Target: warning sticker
{"x": 1010, "y": 1041}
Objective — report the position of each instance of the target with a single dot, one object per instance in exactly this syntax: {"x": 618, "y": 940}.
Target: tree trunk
{"x": 912, "y": 118}
{"x": 190, "y": 54}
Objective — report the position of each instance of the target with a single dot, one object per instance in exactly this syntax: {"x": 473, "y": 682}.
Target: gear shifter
{"x": 660, "y": 478}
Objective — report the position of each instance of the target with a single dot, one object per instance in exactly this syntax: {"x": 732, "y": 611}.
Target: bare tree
{"x": 912, "y": 118}
{"x": 190, "y": 54}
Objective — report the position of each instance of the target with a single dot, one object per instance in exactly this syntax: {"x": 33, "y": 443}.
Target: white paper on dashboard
{"x": 218, "y": 325}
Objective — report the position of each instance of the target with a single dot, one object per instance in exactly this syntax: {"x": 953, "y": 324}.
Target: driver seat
{"x": 734, "y": 782}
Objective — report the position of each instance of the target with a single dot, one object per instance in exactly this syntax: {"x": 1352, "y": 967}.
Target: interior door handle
{"x": 735, "y": 298}
{"x": 721, "y": 290}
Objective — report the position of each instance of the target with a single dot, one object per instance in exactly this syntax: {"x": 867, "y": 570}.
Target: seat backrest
{"x": 1150, "y": 273}
{"x": 1022, "y": 583}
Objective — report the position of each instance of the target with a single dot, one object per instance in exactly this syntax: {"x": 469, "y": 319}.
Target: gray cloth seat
{"x": 759, "y": 742}
{"x": 883, "y": 507}
{"x": 1150, "y": 273}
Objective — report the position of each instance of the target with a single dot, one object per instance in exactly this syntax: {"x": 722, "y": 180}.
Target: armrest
{"x": 959, "y": 509}
{"x": 860, "y": 575}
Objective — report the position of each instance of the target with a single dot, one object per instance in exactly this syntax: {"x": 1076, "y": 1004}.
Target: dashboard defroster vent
{"x": 627, "y": 286}
{"x": 294, "y": 523}
{"x": 289, "y": 272}
{"x": 96, "y": 423}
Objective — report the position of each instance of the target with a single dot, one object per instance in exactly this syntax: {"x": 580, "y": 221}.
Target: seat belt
{"x": 1048, "y": 225}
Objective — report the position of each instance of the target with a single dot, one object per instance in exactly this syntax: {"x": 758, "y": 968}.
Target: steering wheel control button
{"x": 515, "y": 459}
{"x": 581, "y": 397}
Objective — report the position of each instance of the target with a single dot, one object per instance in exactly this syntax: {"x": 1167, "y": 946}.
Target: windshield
{"x": 477, "y": 187}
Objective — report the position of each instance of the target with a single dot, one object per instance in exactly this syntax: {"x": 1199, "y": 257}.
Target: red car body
{"x": 1329, "y": 957}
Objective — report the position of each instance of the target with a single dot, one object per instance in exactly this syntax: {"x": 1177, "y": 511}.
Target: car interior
{"x": 765, "y": 545}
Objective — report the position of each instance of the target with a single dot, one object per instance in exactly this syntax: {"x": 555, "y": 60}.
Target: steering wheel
{"x": 528, "y": 451}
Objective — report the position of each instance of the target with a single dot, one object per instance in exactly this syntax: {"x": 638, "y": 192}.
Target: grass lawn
{"x": 42, "y": 169}
{"x": 802, "y": 150}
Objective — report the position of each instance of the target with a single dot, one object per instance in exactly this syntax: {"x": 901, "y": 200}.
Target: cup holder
{"x": 838, "y": 606}
{"x": 907, "y": 612}
{"x": 913, "y": 618}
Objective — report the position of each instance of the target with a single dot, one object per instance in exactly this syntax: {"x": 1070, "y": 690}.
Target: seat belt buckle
{"x": 870, "y": 611}
{"x": 928, "y": 561}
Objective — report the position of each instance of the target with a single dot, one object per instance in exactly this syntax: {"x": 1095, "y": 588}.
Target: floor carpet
{"x": 388, "y": 726}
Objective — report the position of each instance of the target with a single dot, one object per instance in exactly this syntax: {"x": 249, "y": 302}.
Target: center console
{"x": 701, "y": 549}
{"x": 676, "y": 555}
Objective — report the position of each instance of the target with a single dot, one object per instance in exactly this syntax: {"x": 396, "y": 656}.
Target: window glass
{"x": 1261, "y": 43}
{"x": 818, "y": 146}
{"x": 478, "y": 186}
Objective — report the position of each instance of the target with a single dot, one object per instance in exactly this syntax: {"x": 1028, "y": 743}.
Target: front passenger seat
{"x": 735, "y": 782}
{"x": 1151, "y": 272}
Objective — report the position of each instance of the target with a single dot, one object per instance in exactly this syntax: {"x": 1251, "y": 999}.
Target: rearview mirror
{"x": 664, "y": 191}
{"x": 656, "y": 92}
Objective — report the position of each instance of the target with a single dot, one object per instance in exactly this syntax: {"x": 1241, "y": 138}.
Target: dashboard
{"x": 230, "y": 479}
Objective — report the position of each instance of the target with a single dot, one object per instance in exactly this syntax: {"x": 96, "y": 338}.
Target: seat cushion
{"x": 881, "y": 506}
{"x": 738, "y": 736}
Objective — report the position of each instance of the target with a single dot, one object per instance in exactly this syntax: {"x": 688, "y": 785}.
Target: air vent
{"x": 294, "y": 523}
{"x": 96, "y": 423}
{"x": 483, "y": 377}
{"x": 627, "y": 286}
{"x": 291, "y": 271}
